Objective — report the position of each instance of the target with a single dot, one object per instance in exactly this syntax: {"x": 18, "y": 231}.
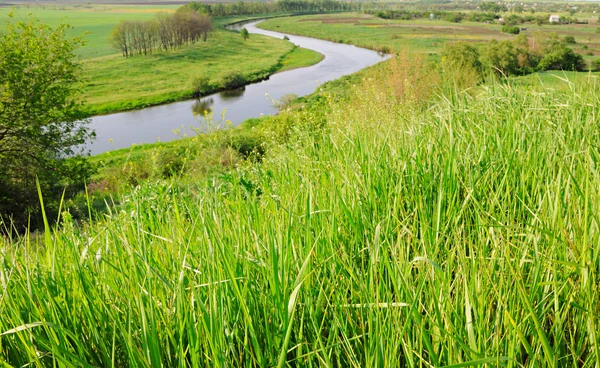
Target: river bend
{"x": 175, "y": 120}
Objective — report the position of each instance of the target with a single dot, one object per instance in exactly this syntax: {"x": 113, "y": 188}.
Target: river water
{"x": 172, "y": 121}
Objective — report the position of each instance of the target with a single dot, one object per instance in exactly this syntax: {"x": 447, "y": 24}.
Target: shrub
{"x": 383, "y": 49}
{"x": 501, "y": 57}
{"x": 233, "y": 80}
{"x": 455, "y": 17}
{"x": 569, "y": 40}
{"x": 559, "y": 57}
{"x": 285, "y": 101}
{"x": 596, "y": 65}
{"x": 511, "y": 29}
{"x": 201, "y": 85}
{"x": 598, "y": 30}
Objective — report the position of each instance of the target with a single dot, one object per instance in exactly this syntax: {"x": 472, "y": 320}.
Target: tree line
{"x": 243, "y": 8}
{"x": 514, "y": 57}
{"x": 163, "y": 33}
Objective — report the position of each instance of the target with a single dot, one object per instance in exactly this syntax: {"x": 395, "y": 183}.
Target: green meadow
{"x": 421, "y": 35}
{"x": 113, "y": 83}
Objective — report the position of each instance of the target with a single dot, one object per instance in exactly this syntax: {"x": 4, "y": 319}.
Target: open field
{"x": 420, "y": 35}
{"x": 113, "y": 83}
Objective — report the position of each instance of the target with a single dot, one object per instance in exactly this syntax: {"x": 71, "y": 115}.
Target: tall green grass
{"x": 461, "y": 232}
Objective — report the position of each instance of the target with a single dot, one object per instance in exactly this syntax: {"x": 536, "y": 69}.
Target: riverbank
{"x": 112, "y": 83}
{"x": 163, "y": 78}
{"x": 425, "y": 36}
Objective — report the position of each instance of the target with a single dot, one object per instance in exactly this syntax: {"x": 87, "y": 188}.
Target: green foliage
{"x": 492, "y": 7}
{"x": 557, "y": 56}
{"x": 502, "y": 57}
{"x": 596, "y": 65}
{"x": 511, "y": 29}
{"x": 510, "y": 57}
{"x": 454, "y": 17}
{"x": 160, "y": 77}
{"x": 41, "y": 120}
{"x": 244, "y": 33}
{"x": 233, "y": 80}
{"x": 201, "y": 86}
{"x": 461, "y": 57}
{"x": 569, "y": 39}
{"x": 285, "y": 101}
{"x": 285, "y": 6}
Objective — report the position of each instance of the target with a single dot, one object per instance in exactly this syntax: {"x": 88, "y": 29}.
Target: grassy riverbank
{"x": 405, "y": 224}
{"x": 421, "y": 35}
{"x": 113, "y": 83}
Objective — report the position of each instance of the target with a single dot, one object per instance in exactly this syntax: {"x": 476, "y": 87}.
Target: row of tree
{"x": 165, "y": 32}
{"x": 518, "y": 57}
{"x": 301, "y": 6}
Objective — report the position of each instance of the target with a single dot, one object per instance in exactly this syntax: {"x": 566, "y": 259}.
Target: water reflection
{"x": 233, "y": 94}
{"x": 202, "y": 107}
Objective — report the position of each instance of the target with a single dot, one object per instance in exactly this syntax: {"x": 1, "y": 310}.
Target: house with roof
{"x": 554, "y": 19}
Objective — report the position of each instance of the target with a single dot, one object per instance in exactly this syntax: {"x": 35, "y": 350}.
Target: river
{"x": 175, "y": 120}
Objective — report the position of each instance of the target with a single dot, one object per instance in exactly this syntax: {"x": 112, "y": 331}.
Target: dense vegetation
{"x": 408, "y": 224}
{"x": 41, "y": 119}
{"x": 517, "y": 57}
{"x": 165, "y": 32}
{"x": 279, "y": 6}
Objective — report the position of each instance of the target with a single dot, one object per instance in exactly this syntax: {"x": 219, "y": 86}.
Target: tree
{"x": 244, "y": 33}
{"x": 461, "y": 65}
{"x": 501, "y": 57}
{"x": 556, "y": 55}
{"x": 560, "y": 57}
{"x": 42, "y": 122}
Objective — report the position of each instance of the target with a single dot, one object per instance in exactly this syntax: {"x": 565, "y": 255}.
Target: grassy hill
{"x": 401, "y": 225}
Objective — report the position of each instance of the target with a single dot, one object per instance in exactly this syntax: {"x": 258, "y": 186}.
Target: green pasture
{"x": 96, "y": 21}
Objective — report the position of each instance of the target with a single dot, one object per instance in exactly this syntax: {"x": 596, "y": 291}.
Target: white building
{"x": 554, "y": 18}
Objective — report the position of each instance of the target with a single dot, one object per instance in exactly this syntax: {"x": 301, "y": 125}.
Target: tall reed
{"x": 457, "y": 233}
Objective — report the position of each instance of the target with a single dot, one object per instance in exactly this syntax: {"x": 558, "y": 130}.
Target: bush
{"x": 511, "y": 29}
{"x": 285, "y": 101}
{"x": 233, "y": 80}
{"x": 201, "y": 85}
{"x": 569, "y": 40}
{"x": 596, "y": 65}
{"x": 455, "y": 17}
{"x": 383, "y": 49}
{"x": 598, "y": 30}
{"x": 560, "y": 57}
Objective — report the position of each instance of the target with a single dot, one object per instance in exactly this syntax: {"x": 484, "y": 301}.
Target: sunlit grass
{"x": 390, "y": 229}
